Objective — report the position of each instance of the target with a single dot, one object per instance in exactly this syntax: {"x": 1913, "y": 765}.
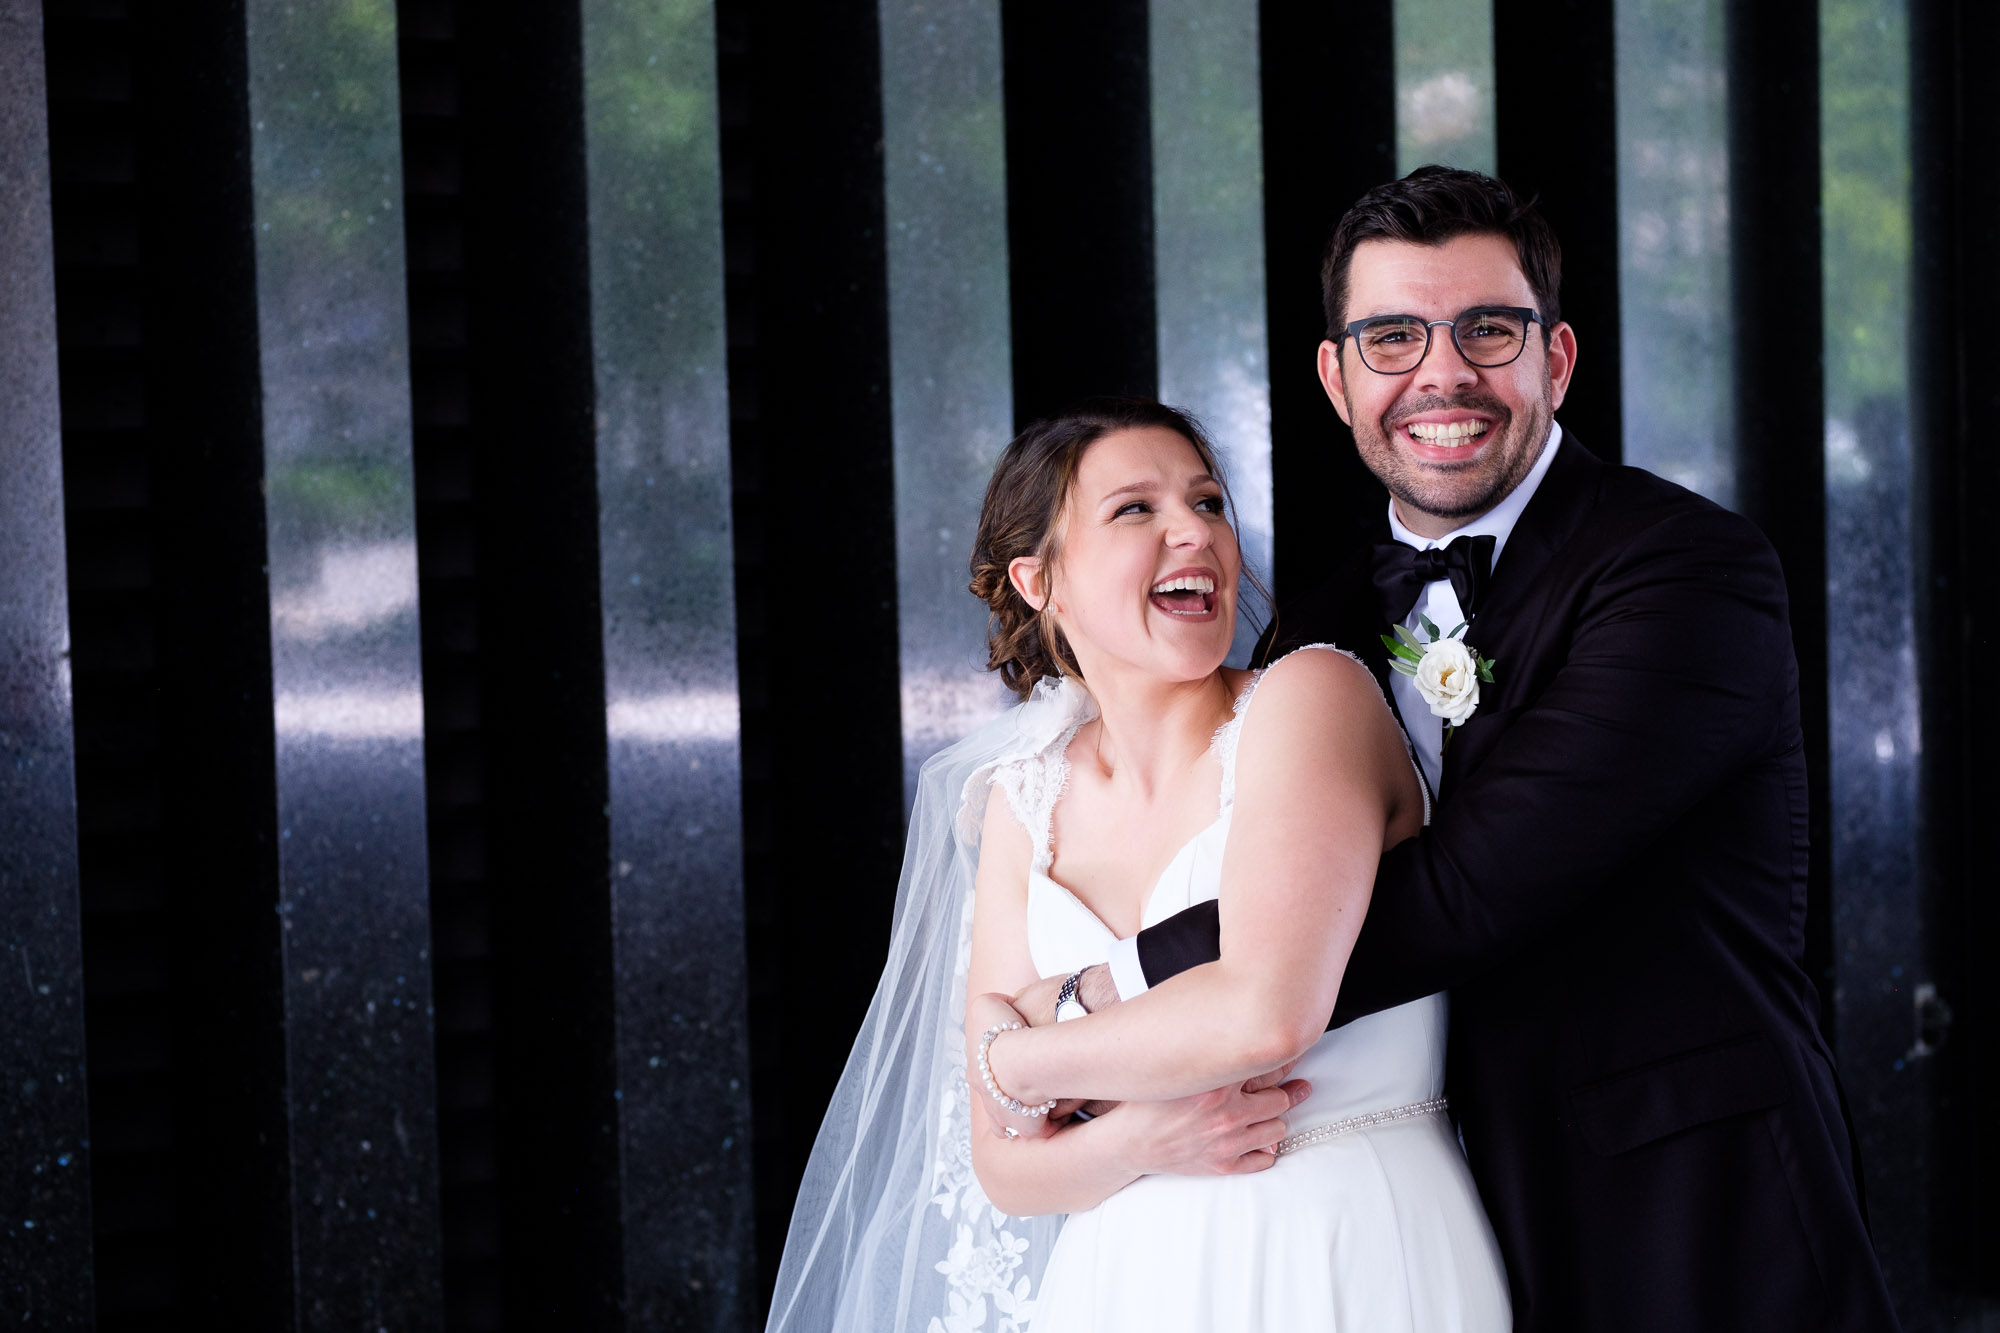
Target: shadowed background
{"x": 484, "y": 502}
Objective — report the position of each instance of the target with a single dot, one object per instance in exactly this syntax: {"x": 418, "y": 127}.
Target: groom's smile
{"x": 1449, "y": 438}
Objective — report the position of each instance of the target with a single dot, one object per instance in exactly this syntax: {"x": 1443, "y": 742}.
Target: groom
{"x": 1613, "y": 888}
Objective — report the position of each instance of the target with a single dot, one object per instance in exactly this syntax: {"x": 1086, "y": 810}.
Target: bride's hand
{"x": 1226, "y": 1132}
{"x": 996, "y": 1010}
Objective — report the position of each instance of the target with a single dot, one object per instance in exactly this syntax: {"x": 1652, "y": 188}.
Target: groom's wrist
{"x": 1095, "y": 988}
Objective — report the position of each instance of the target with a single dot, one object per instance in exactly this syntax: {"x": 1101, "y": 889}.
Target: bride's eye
{"x": 1135, "y": 507}
{"x": 1209, "y": 504}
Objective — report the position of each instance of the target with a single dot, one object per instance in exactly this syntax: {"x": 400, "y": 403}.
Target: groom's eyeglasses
{"x": 1486, "y": 336}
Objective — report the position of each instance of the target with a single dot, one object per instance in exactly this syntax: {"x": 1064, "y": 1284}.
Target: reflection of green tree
{"x": 1673, "y": 178}
{"x": 1864, "y": 117}
{"x": 657, "y": 312}
{"x": 324, "y": 496}
{"x": 1444, "y": 74}
{"x": 328, "y": 74}
{"x": 650, "y": 100}
{"x": 330, "y": 269}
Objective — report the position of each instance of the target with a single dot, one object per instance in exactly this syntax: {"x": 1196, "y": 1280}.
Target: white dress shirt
{"x": 1440, "y": 603}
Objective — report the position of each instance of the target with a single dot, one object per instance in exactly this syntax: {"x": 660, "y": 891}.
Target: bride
{"x": 949, "y": 1191}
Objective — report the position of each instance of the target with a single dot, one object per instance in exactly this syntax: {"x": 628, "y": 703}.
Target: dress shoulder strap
{"x": 1032, "y": 785}
{"x": 1034, "y": 777}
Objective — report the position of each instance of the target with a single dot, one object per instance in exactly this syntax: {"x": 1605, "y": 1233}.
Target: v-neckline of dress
{"x": 1146, "y": 903}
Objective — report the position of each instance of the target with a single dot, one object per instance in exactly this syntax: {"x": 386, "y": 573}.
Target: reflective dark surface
{"x": 723, "y": 310}
{"x": 951, "y": 375}
{"x": 669, "y": 658}
{"x": 1882, "y": 949}
{"x": 1444, "y": 84}
{"x": 1673, "y": 243}
{"x": 345, "y": 664}
{"x": 1208, "y": 237}
{"x": 45, "y": 1249}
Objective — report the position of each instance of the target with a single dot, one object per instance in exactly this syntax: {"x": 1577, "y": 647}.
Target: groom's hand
{"x": 1094, "y": 989}
{"x": 1227, "y": 1132}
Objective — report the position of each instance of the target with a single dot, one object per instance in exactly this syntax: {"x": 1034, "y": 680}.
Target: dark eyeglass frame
{"x": 1527, "y": 315}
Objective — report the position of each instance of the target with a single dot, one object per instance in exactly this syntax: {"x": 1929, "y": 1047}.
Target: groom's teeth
{"x": 1447, "y": 432}
{"x": 1186, "y": 583}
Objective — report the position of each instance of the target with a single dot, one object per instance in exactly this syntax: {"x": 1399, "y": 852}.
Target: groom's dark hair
{"x": 1433, "y": 205}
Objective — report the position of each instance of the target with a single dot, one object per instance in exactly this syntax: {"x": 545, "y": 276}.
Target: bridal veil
{"x": 891, "y": 1231}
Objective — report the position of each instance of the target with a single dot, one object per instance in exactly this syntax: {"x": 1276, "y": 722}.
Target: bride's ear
{"x": 1025, "y": 573}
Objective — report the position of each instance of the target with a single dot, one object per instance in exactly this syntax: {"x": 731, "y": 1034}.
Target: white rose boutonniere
{"x": 1447, "y": 672}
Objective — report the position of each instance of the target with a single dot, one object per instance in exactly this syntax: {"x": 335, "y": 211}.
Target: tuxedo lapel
{"x": 1558, "y": 507}
{"x": 1499, "y": 631}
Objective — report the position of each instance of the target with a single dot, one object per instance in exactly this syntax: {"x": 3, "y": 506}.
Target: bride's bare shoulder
{"x": 1320, "y": 678}
{"x": 1318, "y": 699}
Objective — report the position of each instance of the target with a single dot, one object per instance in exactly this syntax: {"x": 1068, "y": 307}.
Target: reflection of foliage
{"x": 330, "y": 270}
{"x": 324, "y": 496}
{"x": 654, "y": 193}
{"x": 328, "y": 75}
{"x": 657, "y": 314}
{"x": 1864, "y": 119}
{"x": 1444, "y": 83}
{"x": 1673, "y": 206}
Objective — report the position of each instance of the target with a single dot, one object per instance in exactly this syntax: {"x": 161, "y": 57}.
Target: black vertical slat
{"x": 811, "y": 450}
{"x": 1079, "y": 202}
{"x": 1323, "y": 496}
{"x": 1955, "y": 135}
{"x": 45, "y": 1232}
{"x": 128, "y": 921}
{"x": 218, "y": 797}
{"x": 156, "y": 288}
{"x": 444, "y": 456}
{"x": 1775, "y": 259}
{"x": 1555, "y": 113}
{"x": 502, "y": 388}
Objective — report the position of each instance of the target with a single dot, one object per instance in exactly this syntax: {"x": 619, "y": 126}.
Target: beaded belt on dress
{"x": 1321, "y": 1133}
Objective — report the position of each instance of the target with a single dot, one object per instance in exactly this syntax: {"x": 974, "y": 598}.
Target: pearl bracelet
{"x": 1017, "y": 1107}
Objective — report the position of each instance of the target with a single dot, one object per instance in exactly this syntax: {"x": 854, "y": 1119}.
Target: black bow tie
{"x": 1402, "y": 571}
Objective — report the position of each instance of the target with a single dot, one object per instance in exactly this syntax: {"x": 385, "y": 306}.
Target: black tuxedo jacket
{"x": 1614, "y": 892}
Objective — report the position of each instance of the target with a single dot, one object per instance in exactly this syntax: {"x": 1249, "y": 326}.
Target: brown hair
{"x": 1433, "y": 205}
{"x": 1022, "y": 516}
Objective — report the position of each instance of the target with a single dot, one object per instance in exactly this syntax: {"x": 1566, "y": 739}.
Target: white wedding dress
{"x": 1368, "y": 1222}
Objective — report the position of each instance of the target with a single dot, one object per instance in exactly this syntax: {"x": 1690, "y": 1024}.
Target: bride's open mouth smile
{"x": 1187, "y": 594}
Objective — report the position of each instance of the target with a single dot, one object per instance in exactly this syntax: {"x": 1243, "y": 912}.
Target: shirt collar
{"x": 1497, "y": 522}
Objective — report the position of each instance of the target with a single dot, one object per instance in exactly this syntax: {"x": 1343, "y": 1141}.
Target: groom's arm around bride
{"x": 1614, "y": 885}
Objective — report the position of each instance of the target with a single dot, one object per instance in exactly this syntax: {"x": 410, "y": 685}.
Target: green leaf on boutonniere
{"x": 1460, "y": 630}
{"x": 1486, "y": 670}
{"x": 1407, "y": 637}
{"x": 1402, "y": 657}
{"x": 1429, "y": 628}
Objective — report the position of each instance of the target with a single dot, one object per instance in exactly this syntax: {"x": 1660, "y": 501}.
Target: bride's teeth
{"x": 1186, "y": 583}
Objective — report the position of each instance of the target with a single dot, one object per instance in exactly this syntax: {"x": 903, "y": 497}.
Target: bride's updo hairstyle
{"x": 1022, "y": 516}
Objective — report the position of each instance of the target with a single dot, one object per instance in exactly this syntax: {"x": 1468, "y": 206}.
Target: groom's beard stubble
{"x": 1462, "y": 493}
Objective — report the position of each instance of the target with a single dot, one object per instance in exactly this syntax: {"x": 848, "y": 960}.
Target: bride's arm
{"x": 1042, "y": 1173}
{"x": 1224, "y": 1131}
{"x": 1323, "y": 785}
